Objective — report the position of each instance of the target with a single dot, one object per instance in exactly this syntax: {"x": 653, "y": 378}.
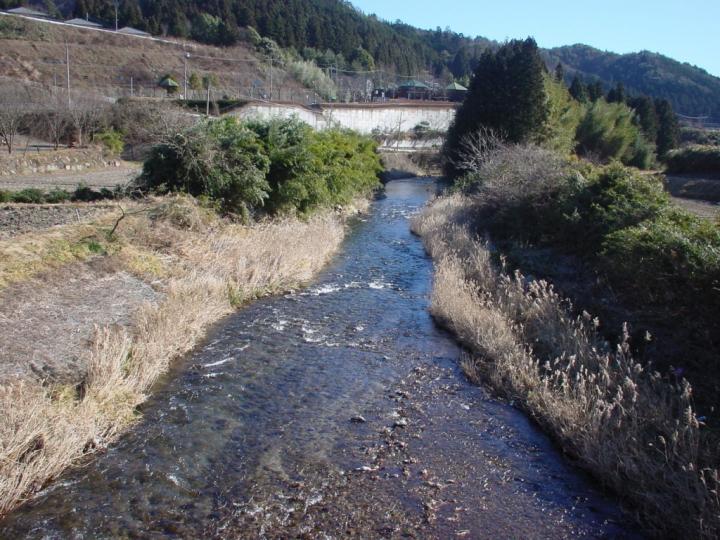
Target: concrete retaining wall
{"x": 365, "y": 118}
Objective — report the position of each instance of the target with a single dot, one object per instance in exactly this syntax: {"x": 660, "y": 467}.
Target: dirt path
{"x": 47, "y": 323}
{"x": 107, "y": 178}
{"x": 697, "y": 194}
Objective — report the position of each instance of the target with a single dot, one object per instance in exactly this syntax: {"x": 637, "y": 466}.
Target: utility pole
{"x": 67, "y": 65}
{"x": 207, "y": 104}
{"x": 185, "y": 59}
{"x": 116, "y": 14}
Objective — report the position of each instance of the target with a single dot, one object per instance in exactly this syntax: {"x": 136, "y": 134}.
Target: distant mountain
{"x": 335, "y": 33}
{"x": 690, "y": 89}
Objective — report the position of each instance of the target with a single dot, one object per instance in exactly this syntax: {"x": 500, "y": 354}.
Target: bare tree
{"x": 85, "y": 113}
{"x": 13, "y": 106}
{"x": 145, "y": 123}
{"x": 55, "y": 116}
{"x": 475, "y": 148}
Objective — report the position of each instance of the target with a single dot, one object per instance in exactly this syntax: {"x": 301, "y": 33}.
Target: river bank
{"x": 634, "y": 429}
{"x": 92, "y": 313}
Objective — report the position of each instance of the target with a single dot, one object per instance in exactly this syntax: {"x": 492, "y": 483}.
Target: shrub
{"x": 84, "y": 193}
{"x": 221, "y": 159}
{"x": 700, "y": 136}
{"x": 694, "y": 159}
{"x": 5, "y": 196}
{"x": 518, "y": 187}
{"x": 311, "y": 76}
{"x": 641, "y": 154}
{"x": 112, "y": 141}
{"x": 312, "y": 169}
{"x": 57, "y": 196}
{"x": 614, "y": 198}
{"x": 277, "y": 165}
{"x": 675, "y": 255}
{"x": 30, "y": 195}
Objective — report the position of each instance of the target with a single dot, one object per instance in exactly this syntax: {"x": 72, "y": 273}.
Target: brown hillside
{"x": 106, "y": 62}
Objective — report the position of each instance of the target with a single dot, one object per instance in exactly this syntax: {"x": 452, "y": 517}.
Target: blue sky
{"x": 687, "y": 30}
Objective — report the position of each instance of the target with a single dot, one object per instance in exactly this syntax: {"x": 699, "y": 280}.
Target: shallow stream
{"x": 335, "y": 411}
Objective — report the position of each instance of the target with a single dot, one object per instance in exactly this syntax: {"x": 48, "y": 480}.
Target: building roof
{"x": 456, "y": 86}
{"x": 168, "y": 82}
{"x": 412, "y": 83}
{"x": 27, "y": 11}
{"x": 83, "y": 22}
{"x": 132, "y": 31}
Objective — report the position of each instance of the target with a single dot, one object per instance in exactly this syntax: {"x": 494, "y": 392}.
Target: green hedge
{"x": 81, "y": 194}
{"x": 694, "y": 159}
{"x": 676, "y": 255}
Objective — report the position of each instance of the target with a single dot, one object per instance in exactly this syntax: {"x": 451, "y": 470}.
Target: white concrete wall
{"x": 268, "y": 111}
{"x": 388, "y": 118}
{"x": 364, "y": 119}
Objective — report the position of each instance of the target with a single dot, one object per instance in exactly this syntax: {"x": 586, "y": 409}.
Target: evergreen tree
{"x": 228, "y": 33}
{"x": 507, "y": 94}
{"x": 578, "y": 90}
{"x": 362, "y": 60}
{"x": 559, "y": 72}
{"x": 668, "y": 133}
{"x": 179, "y": 25}
{"x": 646, "y": 116}
{"x": 617, "y": 94}
{"x": 460, "y": 65}
{"x": 81, "y": 9}
{"x": 595, "y": 91}
{"x": 51, "y": 9}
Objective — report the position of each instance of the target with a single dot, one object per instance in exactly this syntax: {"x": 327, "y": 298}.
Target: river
{"x": 334, "y": 411}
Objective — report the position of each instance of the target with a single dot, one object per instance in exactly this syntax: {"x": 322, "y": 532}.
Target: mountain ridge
{"x": 336, "y": 33}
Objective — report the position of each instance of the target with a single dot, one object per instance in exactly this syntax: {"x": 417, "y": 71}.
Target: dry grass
{"x": 24, "y": 257}
{"x": 635, "y": 431}
{"x": 204, "y": 268}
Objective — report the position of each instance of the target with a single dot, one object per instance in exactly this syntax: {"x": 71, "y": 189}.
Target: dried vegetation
{"x": 634, "y": 430}
{"x": 201, "y": 266}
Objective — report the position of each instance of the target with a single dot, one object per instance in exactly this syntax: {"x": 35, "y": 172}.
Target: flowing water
{"x": 336, "y": 411}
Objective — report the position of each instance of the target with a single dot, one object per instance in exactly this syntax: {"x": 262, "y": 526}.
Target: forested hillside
{"x": 690, "y": 89}
{"x": 335, "y": 34}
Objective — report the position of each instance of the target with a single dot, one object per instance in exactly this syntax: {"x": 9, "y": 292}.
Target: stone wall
{"x": 49, "y": 161}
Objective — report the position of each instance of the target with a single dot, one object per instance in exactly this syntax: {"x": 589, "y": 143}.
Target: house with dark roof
{"x": 84, "y": 22}
{"x": 413, "y": 89}
{"x": 27, "y": 12}
{"x": 133, "y": 32}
